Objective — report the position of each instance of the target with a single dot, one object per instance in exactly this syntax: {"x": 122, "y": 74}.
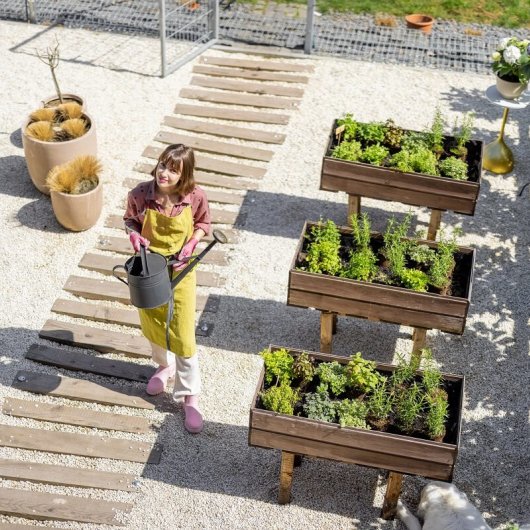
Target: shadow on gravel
{"x": 15, "y": 178}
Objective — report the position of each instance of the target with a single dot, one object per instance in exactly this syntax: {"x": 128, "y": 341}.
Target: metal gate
{"x": 185, "y": 27}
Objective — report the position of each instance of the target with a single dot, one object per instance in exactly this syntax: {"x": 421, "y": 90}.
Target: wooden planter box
{"x": 379, "y": 302}
{"x": 366, "y": 180}
{"x": 394, "y": 452}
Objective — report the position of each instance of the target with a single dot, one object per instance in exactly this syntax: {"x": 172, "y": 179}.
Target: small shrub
{"x": 374, "y": 154}
{"x": 414, "y": 279}
{"x": 361, "y": 266}
{"x": 332, "y": 378}
{"x": 323, "y": 251}
{"x": 371, "y": 132}
{"x": 304, "y": 369}
{"x": 348, "y": 151}
{"x": 318, "y": 406}
{"x": 394, "y": 134}
{"x": 280, "y": 399}
{"x": 437, "y": 413}
{"x": 380, "y": 401}
{"x": 352, "y": 413}
{"x": 409, "y": 403}
{"x": 443, "y": 264}
{"x": 278, "y": 366}
{"x": 453, "y": 167}
{"x": 436, "y": 133}
{"x": 361, "y": 374}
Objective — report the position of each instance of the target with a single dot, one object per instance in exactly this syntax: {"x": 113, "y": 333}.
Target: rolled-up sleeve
{"x": 130, "y": 217}
{"x": 200, "y": 210}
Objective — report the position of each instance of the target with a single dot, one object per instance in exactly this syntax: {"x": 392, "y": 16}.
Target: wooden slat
{"x": 65, "y": 476}
{"x": 221, "y": 113}
{"x": 104, "y": 264}
{"x": 101, "y": 340}
{"x": 258, "y": 65}
{"x": 81, "y": 390}
{"x": 268, "y": 102}
{"x": 212, "y": 146}
{"x": 205, "y": 178}
{"x": 79, "y": 444}
{"x": 245, "y": 86}
{"x": 50, "y": 506}
{"x": 89, "y": 363}
{"x": 74, "y": 416}
{"x": 257, "y": 75}
{"x": 229, "y": 131}
{"x": 214, "y": 164}
{"x": 12, "y": 526}
{"x": 118, "y": 292}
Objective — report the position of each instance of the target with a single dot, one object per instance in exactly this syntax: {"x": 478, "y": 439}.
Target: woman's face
{"x": 167, "y": 177}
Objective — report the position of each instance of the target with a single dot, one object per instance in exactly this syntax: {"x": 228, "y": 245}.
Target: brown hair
{"x": 172, "y": 157}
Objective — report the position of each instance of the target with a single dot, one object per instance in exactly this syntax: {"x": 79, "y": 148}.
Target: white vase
{"x": 510, "y": 89}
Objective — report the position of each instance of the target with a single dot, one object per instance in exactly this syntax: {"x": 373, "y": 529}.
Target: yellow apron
{"x": 167, "y": 236}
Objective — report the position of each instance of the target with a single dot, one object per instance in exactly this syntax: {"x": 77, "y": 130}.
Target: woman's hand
{"x": 186, "y": 252}
{"x": 136, "y": 240}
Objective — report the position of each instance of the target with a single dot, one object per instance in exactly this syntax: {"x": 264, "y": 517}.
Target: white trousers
{"x": 187, "y": 376}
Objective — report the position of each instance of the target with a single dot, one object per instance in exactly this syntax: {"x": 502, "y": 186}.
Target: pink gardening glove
{"x": 136, "y": 240}
{"x": 186, "y": 252}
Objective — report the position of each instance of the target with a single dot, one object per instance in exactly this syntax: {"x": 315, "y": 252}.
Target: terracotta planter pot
{"x": 53, "y": 101}
{"x": 43, "y": 156}
{"x": 510, "y": 89}
{"x": 422, "y": 22}
{"x": 78, "y": 212}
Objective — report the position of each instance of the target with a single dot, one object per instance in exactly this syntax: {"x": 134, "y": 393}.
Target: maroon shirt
{"x": 143, "y": 198}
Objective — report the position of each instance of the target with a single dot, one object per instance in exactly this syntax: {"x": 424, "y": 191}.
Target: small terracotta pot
{"x": 510, "y": 89}
{"x": 43, "y": 156}
{"x": 53, "y": 101}
{"x": 78, "y": 212}
{"x": 417, "y": 21}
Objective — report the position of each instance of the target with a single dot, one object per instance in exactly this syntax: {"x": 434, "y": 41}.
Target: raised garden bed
{"x": 389, "y": 184}
{"x": 380, "y": 302}
{"x": 384, "y": 450}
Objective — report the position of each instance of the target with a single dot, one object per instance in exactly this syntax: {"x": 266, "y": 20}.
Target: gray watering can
{"x": 148, "y": 275}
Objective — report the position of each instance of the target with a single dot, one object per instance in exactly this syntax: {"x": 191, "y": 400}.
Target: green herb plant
{"x": 350, "y": 127}
{"x": 332, "y": 377}
{"x": 323, "y": 251}
{"x": 352, "y": 413}
{"x": 443, "y": 263}
{"x": 363, "y": 262}
{"x": 282, "y": 398}
{"x": 374, "y": 154}
{"x": 304, "y": 369}
{"x": 319, "y": 406}
{"x": 462, "y": 134}
{"x": 351, "y": 151}
{"x": 409, "y": 404}
{"x": 372, "y": 132}
{"x": 436, "y": 133}
{"x": 380, "y": 403}
{"x": 278, "y": 366}
{"x": 395, "y": 247}
{"x": 361, "y": 374}
{"x": 454, "y": 168}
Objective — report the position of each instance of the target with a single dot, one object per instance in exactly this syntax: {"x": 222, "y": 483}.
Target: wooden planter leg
{"x": 326, "y": 331}
{"x": 419, "y": 339}
{"x": 393, "y": 490}
{"x": 354, "y": 206}
{"x": 286, "y": 477}
{"x": 434, "y": 224}
{"x": 335, "y": 319}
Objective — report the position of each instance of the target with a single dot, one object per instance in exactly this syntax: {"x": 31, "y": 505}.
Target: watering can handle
{"x": 119, "y": 277}
{"x": 143, "y": 257}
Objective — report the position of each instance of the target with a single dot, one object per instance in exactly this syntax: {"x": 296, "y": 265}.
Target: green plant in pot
{"x": 511, "y": 64}
{"x": 76, "y": 192}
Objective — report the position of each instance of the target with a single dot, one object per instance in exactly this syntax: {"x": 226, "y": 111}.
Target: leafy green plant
{"x": 393, "y": 135}
{"x": 350, "y": 127}
{"x": 395, "y": 247}
{"x": 420, "y": 160}
{"x": 437, "y": 413}
{"x": 374, "y": 154}
{"x": 414, "y": 279}
{"x": 443, "y": 263}
{"x": 436, "y": 133}
{"x": 463, "y": 134}
{"x": 352, "y": 413}
{"x": 304, "y": 369}
{"x": 278, "y": 366}
{"x": 323, "y": 251}
{"x": 432, "y": 377}
{"x": 361, "y": 374}
{"x": 381, "y": 401}
{"x": 371, "y": 132}
{"x": 319, "y": 406}
{"x": 422, "y": 254}
{"x": 362, "y": 263}
{"x": 412, "y": 141}
{"x": 454, "y": 168}
{"x": 409, "y": 403}
{"x": 405, "y": 371}
{"x": 332, "y": 378}
{"x": 280, "y": 398}
{"x": 348, "y": 150}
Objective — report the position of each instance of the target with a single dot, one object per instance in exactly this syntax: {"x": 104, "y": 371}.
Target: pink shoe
{"x": 157, "y": 383}
{"x": 193, "y": 422}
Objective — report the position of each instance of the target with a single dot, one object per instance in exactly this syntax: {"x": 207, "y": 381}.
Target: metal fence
{"x": 185, "y": 27}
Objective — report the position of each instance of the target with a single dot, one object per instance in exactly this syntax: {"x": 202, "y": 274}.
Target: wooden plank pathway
{"x": 228, "y": 96}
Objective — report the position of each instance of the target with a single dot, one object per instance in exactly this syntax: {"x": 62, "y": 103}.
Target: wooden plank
{"x": 257, "y": 75}
{"x": 286, "y": 477}
{"x": 89, "y": 363}
{"x": 205, "y": 178}
{"x": 268, "y": 102}
{"x": 392, "y": 493}
{"x": 65, "y": 476}
{"x": 79, "y": 444}
{"x": 75, "y": 416}
{"x": 245, "y": 86}
{"x": 221, "y": 113}
{"x": 118, "y": 292}
{"x": 326, "y": 331}
{"x": 104, "y": 264}
{"x": 11, "y": 526}
{"x": 215, "y": 164}
{"x": 213, "y": 146}
{"x": 230, "y": 131}
{"x": 50, "y": 506}
{"x": 81, "y": 390}
{"x": 258, "y": 65}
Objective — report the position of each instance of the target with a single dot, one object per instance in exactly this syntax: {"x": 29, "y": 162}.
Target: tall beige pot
{"x": 43, "y": 156}
{"x": 78, "y": 212}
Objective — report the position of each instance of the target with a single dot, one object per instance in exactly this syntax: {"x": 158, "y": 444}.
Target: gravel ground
{"x": 215, "y": 480}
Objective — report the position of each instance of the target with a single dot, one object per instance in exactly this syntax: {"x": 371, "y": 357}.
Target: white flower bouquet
{"x": 511, "y": 60}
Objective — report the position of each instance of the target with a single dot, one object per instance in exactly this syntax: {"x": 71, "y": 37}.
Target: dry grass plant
{"x": 78, "y": 176}
{"x": 388, "y": 21}
{"x": 41, "y": 130}
{"x": 68, "y": 111}
{"x": 44, "y": 114}
{"x": 71, "y": 129}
